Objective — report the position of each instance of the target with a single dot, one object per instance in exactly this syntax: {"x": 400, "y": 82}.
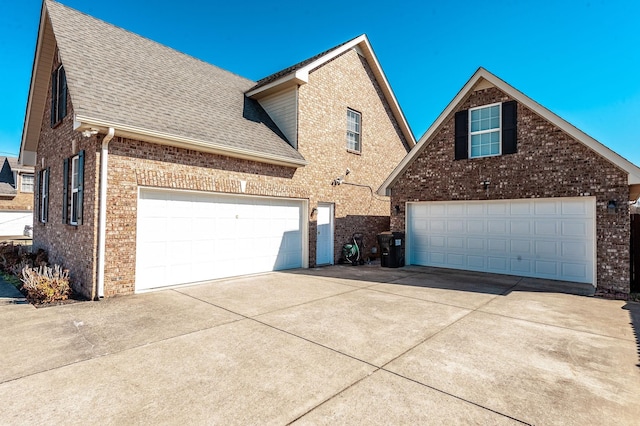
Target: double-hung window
{"x": 58, "y": 95}
{"x": 75, "y": 187}
{"x": 73, "y": 184}
{"x": 43, "y": 195}
{"x": 26, "y": 184}
{"x": 484, "y": 135}
{"x": 354, "y": 119}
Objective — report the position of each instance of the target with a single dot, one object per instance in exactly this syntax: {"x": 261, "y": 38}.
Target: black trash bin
{"x": 391, "y": 249}
{"x": 396, "y": 254}
{"x": 384, "y": 241}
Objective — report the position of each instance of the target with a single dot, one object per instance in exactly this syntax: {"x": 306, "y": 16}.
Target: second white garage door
{"x": 543, "y": 238}
{"x": 186, "y": 237}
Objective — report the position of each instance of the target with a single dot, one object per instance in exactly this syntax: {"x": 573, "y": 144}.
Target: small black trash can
{"x": 384, "y": 241}
{"x": 396, "y": 254}
{"x": 391, "y": 249}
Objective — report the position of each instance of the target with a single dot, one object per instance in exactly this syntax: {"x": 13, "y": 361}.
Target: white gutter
{"x": 83, "y": 123}
{"x": 102, "y": 210}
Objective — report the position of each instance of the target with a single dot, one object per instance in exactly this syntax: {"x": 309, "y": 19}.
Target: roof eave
{"x": 633, "y": 171}
{"x": 82, "y": 123}
{"x": 301, "y": 76}
{"x": 45, "y": 48}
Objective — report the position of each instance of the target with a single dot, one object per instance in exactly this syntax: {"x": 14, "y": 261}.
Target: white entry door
{"x": 543, "y": 238}
{"x": 185, "y": 237}
{"x": 324, "y": 241}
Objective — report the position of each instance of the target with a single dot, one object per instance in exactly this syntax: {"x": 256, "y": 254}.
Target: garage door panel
{"x": 475, "y": 244}
{"x": 475, "y": 226}
{"x": 547, "y": 268}
{"x": 496, "y": 227}
{"x": 574, "y": 229}
{"x": 547, "y": 238}
{"x": 521, "y": 246}
{"x": 455, "y": 242}
{"x": 546, "y": 248}
{"x": 545, "y": 208}
{"x": 521, "y": 227}
{"x": 187, "y": 237}
{"x": 476, "y": 262}
{"x": 497, "y": 264}
{"x": 497, "y": 245}
{"x": 543, "y": 227}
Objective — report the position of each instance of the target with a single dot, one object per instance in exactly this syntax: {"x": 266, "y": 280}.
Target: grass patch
{"x": 11, "y": 279}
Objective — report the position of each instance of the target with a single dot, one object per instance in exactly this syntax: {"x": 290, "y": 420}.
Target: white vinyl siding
{"x": 551, "y": 238}
{"x": 282, "y": 107}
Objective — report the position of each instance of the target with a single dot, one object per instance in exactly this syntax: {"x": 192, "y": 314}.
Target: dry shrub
{"x": 45, "y": 284}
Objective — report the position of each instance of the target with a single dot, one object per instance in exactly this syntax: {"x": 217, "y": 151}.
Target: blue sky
{"x": 580, "y": 59}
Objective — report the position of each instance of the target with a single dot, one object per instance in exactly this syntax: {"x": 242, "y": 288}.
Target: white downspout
{"x": 102, "y": 210}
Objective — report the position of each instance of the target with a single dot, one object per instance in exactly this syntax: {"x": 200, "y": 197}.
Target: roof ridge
{"x": 288, "y": 70}
{"x": 164, "y": 46}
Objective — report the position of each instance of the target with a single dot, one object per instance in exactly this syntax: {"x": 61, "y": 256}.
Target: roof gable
{"x": 482, "y": 79}
{"x": 298, "y": 74}
{"x": 148, "y": 91}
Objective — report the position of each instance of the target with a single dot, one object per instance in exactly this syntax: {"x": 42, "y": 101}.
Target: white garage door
{"x": 186, "y": 237}
{"x": 544, "y": 238}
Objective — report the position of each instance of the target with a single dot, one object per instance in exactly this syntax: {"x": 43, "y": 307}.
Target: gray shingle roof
{"x": 293, "y": 68}
{"x": 119, "y": 77}
{"x": 7, "y": 184}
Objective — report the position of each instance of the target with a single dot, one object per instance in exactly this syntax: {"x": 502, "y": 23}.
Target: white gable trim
{"x": 481, "y": 77}
{"x": 363, "y": 47}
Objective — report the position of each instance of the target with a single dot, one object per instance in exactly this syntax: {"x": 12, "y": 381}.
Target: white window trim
{"x": 44, "y": 191}
{"x": 359, "y": 133}
{"x": 74, "y": 190}
{"x": 479, "y": 132}
{"x": 22, "y": 182}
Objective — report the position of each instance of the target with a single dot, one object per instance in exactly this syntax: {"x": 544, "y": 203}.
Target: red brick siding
{"x": 346, "y": 82}
{"x": 549, "y": 163}
{"x": 72, "y": 246}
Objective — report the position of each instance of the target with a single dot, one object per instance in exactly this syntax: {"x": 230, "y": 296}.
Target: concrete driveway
{"x": 334, "y": 345}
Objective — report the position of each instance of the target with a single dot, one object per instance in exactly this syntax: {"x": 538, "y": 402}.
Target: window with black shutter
{"x": 58, "y": 96}
{"x": 486, "y": 131}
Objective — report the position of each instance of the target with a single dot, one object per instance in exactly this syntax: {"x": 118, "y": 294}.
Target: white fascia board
{"x": 81, "y": 123}
{"x": 632, "y": 170}
{"x": 32, "y": 85}
{"x": 294, "y": 78}
{"x": 388, "y": 91}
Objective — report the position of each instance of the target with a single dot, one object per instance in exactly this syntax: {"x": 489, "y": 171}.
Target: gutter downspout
{"x": 102, "y": 209}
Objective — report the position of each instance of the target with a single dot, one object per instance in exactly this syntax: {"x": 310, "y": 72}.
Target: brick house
{"x": 157, "y": 169}
{"x": 16, "y": 198}
{"x": 500, "y": 184}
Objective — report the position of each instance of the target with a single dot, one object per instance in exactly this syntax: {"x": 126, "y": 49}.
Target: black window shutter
{"x": 37, "y": 209}
{"x": 54, "y": 97}
{"x": 65, "y": 191}
{"x": 462, "y": 135}
{"x": 80, "y": 185}
{"x": 509, "y": 127}
{"x": 45, "y": 207}
{"x": 62, "y": 99}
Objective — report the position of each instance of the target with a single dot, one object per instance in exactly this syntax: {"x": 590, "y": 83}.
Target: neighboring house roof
{"x": 483, "y": 78}
{"x": 147, "y": 91}
{"x": 7, "y": 184}
{"x": 299, "y": 74}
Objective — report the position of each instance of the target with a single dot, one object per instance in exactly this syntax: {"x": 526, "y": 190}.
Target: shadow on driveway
{"x": 634, "y": 316}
